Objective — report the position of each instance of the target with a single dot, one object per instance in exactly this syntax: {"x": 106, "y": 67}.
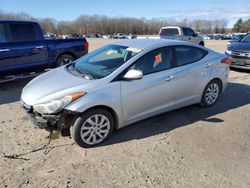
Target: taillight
{"x": 226, "y": 60}
{"x": 86, "y": 46}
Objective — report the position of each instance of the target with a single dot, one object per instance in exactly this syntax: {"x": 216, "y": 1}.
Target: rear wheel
{"x": 64, "y": 59}
{"x": 210, "y": 93}
{"x": 92, "y": 128}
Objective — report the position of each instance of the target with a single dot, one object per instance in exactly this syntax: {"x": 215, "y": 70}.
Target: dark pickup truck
{"x": 240, "y": 53}
{"x": 24, "y": 51}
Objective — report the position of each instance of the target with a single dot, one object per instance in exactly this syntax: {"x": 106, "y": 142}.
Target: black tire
{"x": 201, "y": 43}
{"x": 204, "y": 100}
{"x": 64, "y": 59}
{"x": 81, "y": 120}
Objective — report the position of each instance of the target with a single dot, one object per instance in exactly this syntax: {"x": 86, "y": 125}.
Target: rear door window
{"x": 2, "y": 34}
{"x": 23, "y": 32}
{"x": 169, "y": 32}
{"x": 188, "y": 54}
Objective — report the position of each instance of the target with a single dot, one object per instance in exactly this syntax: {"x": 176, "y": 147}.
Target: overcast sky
{"x": 174, "y": 9}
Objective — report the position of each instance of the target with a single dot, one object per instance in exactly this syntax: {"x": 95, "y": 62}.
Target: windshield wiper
{"x": 87, "y": 76}
{"x": 78, "y": 73}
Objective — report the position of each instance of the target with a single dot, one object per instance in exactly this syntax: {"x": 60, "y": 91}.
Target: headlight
{"x": 56, "y": 105}
{"x": 229, "y": 52}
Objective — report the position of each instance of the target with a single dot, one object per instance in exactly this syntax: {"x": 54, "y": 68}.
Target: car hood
{"x": 54, "y": 84}
{"x": 240, "y": 46}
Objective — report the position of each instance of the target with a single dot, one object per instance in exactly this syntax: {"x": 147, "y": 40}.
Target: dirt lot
{"x": 190, "y": 147}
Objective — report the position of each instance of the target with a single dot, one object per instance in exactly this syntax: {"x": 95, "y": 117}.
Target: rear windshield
{"x": 169, "y": 32}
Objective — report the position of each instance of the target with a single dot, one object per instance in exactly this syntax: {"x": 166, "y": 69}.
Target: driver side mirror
{"x": 133, "y": 75}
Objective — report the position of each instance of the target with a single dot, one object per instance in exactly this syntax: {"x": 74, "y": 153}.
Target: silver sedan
{"x": 122, "y": 83}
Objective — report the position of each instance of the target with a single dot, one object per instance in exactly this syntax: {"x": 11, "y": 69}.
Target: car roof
{"x": 146, "y": 43}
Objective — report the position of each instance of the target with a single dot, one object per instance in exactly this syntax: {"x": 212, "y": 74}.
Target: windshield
{"x": 104, "y": 61}
{"x": 238, "y": 37}
{"x": 246, "y": 38}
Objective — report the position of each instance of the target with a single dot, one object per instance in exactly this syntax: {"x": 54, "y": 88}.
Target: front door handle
{"x": 169, "y": 78}
{"x": 4, "y": 50}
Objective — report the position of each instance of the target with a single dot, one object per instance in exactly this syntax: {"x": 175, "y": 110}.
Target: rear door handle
{"x": 4, "y": 50}
{"x": 39, "y": 47}
{"x": 169, "y": 78}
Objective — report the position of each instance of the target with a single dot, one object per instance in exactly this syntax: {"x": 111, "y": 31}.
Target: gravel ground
{"x": 190, "y": 147}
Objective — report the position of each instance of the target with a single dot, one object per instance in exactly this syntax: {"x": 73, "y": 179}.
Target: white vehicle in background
{"x": 207, "y": 37}
{"x": 120, "y": 36}
{"x": 181, "y": 33}
{"x": 105, "y": 36}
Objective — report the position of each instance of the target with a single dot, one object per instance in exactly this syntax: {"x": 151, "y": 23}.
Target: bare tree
{"x": 48, "y": 25}
{"x": 93, "y": 24}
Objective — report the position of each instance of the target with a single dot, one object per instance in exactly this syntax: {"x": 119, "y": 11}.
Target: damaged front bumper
{"x": 50, "y": 122}
{"x": 44, "y": 121}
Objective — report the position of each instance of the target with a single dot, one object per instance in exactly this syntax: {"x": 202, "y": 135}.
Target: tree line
{"x": 93, "y": 24}
{"x": 242, "y": 26}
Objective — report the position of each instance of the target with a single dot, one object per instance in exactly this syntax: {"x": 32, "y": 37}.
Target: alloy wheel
{"x": 95, "y": 129}
{"x": 212, "y": 93}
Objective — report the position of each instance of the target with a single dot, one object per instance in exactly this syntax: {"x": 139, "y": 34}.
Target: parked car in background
{"x": 218, "y": 36}
{"x": 123, "y": 36}
{"x": 105, "y": 36}
{"x": 23, "y": 49}
{"x": 49, "y": 35}
{"x": 226, "y": 37}
{"x": 240, "y": 53}
{"x": 120, "y": 36}
{"x": 181, "y": 33}
{"x": 236, "y": 38}
{"x": 239, "y": 36}
{"x": 122, "y": 83}
{"x": 132, "y": 36}
{"x": 206, "y": 37}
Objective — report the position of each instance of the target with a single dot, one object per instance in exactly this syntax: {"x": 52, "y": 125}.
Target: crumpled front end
{"x": 50, "y": 122}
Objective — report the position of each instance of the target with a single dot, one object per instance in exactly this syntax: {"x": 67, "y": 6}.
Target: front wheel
{"x": 201, "y": 43}
{"x": 92, "y": 127}
{"x": 210, "y": 93}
